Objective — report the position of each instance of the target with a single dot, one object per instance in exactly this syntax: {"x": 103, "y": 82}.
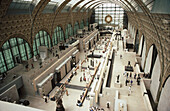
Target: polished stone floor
{"x": 134, "y": 101}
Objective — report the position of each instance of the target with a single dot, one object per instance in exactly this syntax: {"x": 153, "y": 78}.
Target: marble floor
{"x": 134, "y": 101}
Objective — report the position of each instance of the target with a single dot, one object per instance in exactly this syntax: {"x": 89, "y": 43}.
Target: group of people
{"x": 129, "y": 75}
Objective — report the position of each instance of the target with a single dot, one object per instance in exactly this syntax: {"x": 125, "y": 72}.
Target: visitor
{"x": 127, "y": 75}
{"x": 80, "y": 79}
{"x": 138, "y": 80}
{"x": 32, "y": 66}
{"x": 126, "y": 82}
{"x": 130, "y": 75}
{"x": 120, "y": 56}
{"x": 131, "y": 82}
{"x": 135, "y": 76}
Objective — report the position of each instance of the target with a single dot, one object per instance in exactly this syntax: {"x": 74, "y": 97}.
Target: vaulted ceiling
{"x": 29, "y": 6}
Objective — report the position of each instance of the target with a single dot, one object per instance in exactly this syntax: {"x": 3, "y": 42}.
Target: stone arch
{"x": 13, "y": 51}
{"x": 141, "y": 44}
{"x": 155, "y": 78}
{"x": 143, "y": 55}
{"x": 150, "y": 60}
{"x": 136, "y": 45}
{"x": 164, "y": 100}
{"x": 15, "y": 36}
{"x": 42, "y": 29}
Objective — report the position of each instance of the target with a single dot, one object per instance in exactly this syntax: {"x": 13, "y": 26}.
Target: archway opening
{"x": 136, "y": 45}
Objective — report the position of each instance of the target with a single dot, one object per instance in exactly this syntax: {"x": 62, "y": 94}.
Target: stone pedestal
{"x": 117, "y": 84}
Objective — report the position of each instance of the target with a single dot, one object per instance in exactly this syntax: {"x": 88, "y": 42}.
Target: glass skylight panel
{"x": 58, "y": 2}
{"x": 22, "y": 1}
{"x": 84, "y": 2}
{"x": 90, "y": 3}
{"x": 149, "y": 3}
{"x": 114, "y": 10}
{"x": 73, "y": 2}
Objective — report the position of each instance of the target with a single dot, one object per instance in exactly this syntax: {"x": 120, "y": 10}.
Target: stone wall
{"x": 156, "y": 30}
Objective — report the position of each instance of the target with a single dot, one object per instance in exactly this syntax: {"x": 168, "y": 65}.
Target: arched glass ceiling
{"x": 22, "y": 6}
{"x": 27, "y": 6}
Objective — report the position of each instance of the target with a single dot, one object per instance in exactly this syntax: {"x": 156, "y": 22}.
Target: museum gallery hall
{"x": 84, "y": 55}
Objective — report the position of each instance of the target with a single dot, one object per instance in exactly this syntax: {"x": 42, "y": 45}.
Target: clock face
{"x": 108, "y": 18}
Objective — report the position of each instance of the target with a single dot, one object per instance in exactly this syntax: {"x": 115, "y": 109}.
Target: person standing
{"x": 127, "y": 75}
{"x": 126, "y": 82}
{"x": 135, "y": 76}
{"x": 32, "y": 65}
{"x": 138, "y": 80}
{"x": 81, "y": 79}
{"x": 120, "y": 56}
{"x": 131, "y": 82}
{"x": 130, "y": 75}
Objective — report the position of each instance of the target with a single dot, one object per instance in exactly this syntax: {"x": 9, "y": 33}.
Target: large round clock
{"x": 108, "y": 19}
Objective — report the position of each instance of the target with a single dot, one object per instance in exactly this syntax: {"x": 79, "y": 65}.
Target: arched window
{"x": 12, "y": 52}
{"x": 87, "y": 22}
{"x": 136, "y": 46}
{"x": 58, "y": 35}
{"x": 82, "y": 25}
{"x": 42, "y": 38}
{"x": 61, "y": 34}
{"x": 69, "y": 31}
{"x": 76, "y": 26}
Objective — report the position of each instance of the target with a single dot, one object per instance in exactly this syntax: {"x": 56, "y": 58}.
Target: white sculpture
{"x": 35, "y": 59}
